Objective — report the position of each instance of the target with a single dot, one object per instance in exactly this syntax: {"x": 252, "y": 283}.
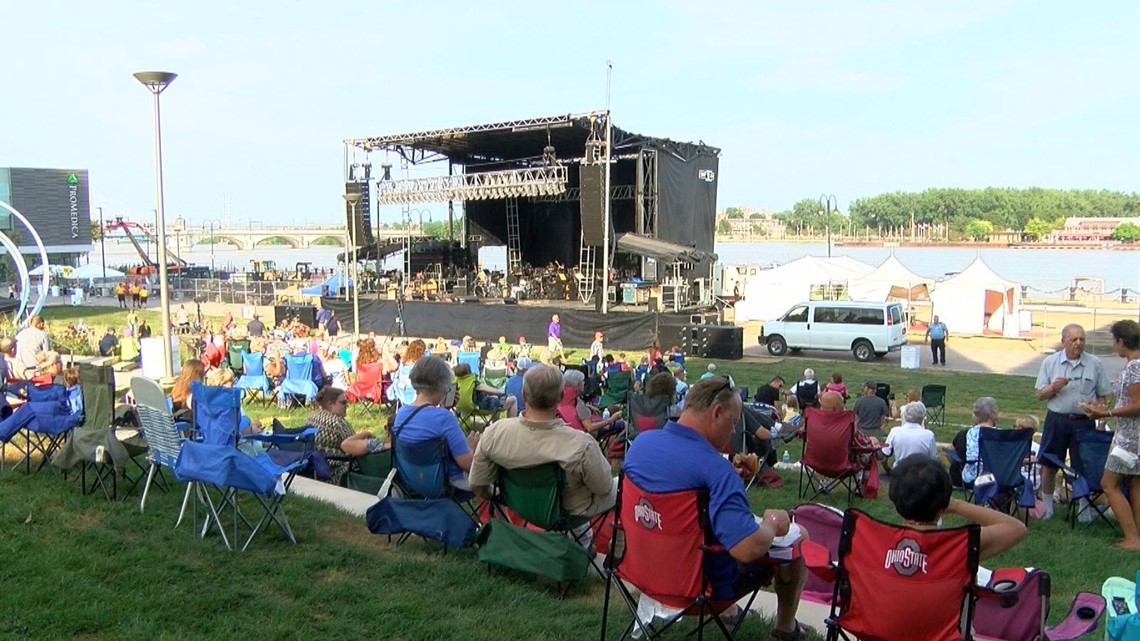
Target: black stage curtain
{"x": 686, "y": 204}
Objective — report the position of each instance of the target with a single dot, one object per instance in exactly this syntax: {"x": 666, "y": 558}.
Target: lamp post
{"x": 156, "y": 82}
{"x": 102, "y": 245}
{"x": 213, "y": 224}
{"x": 828, "y": 204}
{"x": 353, "y": 199}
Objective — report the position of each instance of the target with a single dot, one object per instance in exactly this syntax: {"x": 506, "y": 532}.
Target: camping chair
{"x": 936, "y": 570}
{"x": 827, "y": 461}
{"x": 556, "y": 545}
{"x": 616, "y": 389}
{"x": 45, "y": 421}
{"x": 298, "y": 382}
{"x": 368, "y": 389}
{"x": 215, "y": 461}
{"x": 235, "y": 348}
{"x": 665, "y": 557}
{"x": 934, "y": 398}
{"x": 643, "y": 413}
{"x": 253, "y": 380}
{"x": 1015, "y": 606}
{"x": 94, "y": 445}
{"x": 1092, "y": 451}
{"x": 162, "y": 435}
{"x": 367, "y": 473}
{"x": 465, "y": 408}
{"x": 495, "y": 374}
{"x": 471, "y": 358}
{"x": 1003, "y": 453}
{"x": 824, "y": 524}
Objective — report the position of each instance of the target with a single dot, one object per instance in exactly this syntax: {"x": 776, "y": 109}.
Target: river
{"x": 1043, "y": 270}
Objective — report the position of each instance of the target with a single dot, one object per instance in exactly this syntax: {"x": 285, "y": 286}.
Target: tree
{"x": 734, "y": 212}
{"x": 723, "y": 228}
{"x": 96, "y": 232}
{"x": 758, "y": 230}
{"x": 1036, "y": 228}
{"x": 438, "y": 228}
{"x": 979, "y": 229}
{"x": 756, "y": 216}
{"x": 1126, "y": 232}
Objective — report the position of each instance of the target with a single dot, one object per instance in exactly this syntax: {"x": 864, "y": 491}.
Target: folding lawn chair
{"x": 465, "y": 408}
{"x": 1084, "y": 482}
{"x": 665, "y": 557}
{"x": 934, "y": 398}
{"x": 367, "y": 473}
{"x": 235, "y": 349}
{"x": 216, "y": 462}
{"x": 298, "y": 382}
{"x": 368, "y": 389}
{"x": 1014, "y": 606}
{"x": 471, "y": 359}
{"x": 616, "y": 389}
{"x": 94, "y": 445}
{"x": 824, "y": 524}
{"x": 162, "y": 434}
{"x": 1003, "y": 453}
{"x": 45, "y": 421}
{"x": 253, "y": 379}
{"x": 827, "y": 462}
{"x": 936, "y": 570}
{"x": 554, "y": 546}
{"x": 495, "y": 374}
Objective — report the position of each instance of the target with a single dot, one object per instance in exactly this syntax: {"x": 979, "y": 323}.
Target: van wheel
{"x": 863, "y": 351}
{"x": 777, "y": 346}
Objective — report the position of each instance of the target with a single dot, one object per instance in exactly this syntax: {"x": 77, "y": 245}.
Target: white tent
{"x": 772, "y": 291}
{"x": 56, "y": 271}
{"x": 977, "y": 300}
{"x": 891, "y": 279}
{"x": 91, "y": 271}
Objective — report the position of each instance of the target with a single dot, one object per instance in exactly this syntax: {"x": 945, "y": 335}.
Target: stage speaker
{"x": 354, "y": 216}
{"x": 590, "y": 203}
{"x": 724, "y": 342}
{"x": 307, "y": 314}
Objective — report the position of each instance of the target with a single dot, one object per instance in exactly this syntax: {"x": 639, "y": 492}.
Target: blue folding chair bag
{"x": 224, "y": 466}
{"x": 217, "y": 413}
{"x": 437, "y": 519}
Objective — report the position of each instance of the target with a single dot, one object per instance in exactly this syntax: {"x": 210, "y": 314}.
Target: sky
{"x": 849, "y": 98}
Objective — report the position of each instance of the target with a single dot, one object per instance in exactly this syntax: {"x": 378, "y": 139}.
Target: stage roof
{"x": 660, "y": 249}
{"x": 516, "y": 140}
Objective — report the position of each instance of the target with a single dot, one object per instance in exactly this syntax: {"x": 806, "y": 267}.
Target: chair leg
{"x": 185, "y": 502}
{"x": 146, "y": 488}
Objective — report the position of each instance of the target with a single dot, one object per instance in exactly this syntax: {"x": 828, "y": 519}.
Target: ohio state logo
{"x": 906, "y": 558}
{"x": 648, "y": 517}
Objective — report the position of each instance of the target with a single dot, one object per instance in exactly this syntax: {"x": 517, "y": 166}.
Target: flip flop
{"x": 799, "y": 634}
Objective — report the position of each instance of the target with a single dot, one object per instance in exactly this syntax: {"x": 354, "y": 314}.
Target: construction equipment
{"x": 263, "y": 270}
{"x": 148, "y": 266}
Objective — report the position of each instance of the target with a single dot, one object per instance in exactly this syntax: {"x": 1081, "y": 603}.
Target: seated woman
{"x": 336, "y": 372}
{"x": 335, "y": 437}
{"x": 192, "y": 370}
{"x": 920, "y": 489}
{"x": 487, "y": 398}
{"x": 581, "y": 416}
{"x": 225, "y": 377}
{"x": 423, "y": 419}
{"x": 912, "y": 396}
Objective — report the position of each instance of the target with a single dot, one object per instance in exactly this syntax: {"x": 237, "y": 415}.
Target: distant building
{"x": 1090, "y": 229}
{"x": 56, "y": 202}
{"x": 756, "y": 222}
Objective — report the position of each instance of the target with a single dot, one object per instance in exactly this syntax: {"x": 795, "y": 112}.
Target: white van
{"x": 868, "y": 329}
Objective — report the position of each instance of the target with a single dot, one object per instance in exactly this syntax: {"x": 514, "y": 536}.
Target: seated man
{"x": 921, "y": 492}
{"x": 911, "y": 437}
{"x": 686, "y": 455}
{"x": 539, "y": 436}
{"x": 109, "y": 344}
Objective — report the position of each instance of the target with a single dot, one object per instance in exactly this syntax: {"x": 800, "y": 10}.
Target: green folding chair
{"x": 616, "y": 389}
{"x": 367, "y": 473}
{"x": 934, "y": 398}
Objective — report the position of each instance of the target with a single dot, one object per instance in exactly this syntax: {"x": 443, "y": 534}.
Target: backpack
{"x": 808, "y": 394}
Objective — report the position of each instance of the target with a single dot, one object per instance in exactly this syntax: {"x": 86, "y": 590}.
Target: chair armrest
{"x": 279, "y": 438}
{"x": 952, "y": 455}
{"x": 1083, "y": 617}
{"x": 1053, "y": 461}
{"x": 818, "y": 560}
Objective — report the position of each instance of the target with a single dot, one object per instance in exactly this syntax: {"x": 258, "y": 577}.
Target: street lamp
{"x": 156, "y": 82}
{"x": 353, "y": 199}
{"x": 102, "y": 245}
{"x": 213, "y": 224}
{"x": 828, "y": 204}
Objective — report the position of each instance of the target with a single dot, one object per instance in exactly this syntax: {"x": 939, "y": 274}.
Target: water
{"x": 1043, "y": 270}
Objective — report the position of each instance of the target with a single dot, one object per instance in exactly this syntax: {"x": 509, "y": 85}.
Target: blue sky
{"x": 852, "y": 98}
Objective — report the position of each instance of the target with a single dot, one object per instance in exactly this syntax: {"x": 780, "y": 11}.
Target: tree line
{"x": 970, "y": 213}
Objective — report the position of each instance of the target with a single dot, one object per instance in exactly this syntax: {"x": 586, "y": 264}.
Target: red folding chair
{"x": 368, "y": 390}
{"x": 673, "y": 526}
{"x": 1015, "y": 606}
{"x": 825, "y": 524}
{"x": 932, "y": 571}
{"x": 827, "y": 461}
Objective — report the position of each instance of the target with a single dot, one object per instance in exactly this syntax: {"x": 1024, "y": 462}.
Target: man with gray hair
{"x": 1067, "y": 380}
{"x": 539, "y": 436}
{"x": 911, "y": 438}
{"x": 806, "y": 390}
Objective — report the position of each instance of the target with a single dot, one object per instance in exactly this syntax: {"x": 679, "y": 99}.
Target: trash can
{"x": 54, "y": 290}
{"x": 77, "y": 296}
{"x": 911, "y": 356}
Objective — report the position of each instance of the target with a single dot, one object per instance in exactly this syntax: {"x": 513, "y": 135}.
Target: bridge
{"x": 254, "y": 235}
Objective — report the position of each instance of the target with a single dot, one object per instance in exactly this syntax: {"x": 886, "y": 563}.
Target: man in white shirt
{"x": 31, "y": 342}
{"x": 911, "y": 437}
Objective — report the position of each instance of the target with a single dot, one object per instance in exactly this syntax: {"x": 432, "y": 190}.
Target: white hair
{"x": 809, "y": 374}
{"x": 914, "y": 412}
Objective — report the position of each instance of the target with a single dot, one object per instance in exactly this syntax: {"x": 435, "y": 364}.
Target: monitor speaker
{"x": 307, "y": 314}
{"x": 590, "y": 201}
{"x": 724, "y": 342}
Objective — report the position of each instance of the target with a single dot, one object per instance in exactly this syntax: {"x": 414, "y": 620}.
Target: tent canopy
{"x": 891, "y": 279}
{"x": 772, "y": 291}
{"x": 93, "y": 271}
{"x": 978, "y": 300}
{"x": 331, "y": 285}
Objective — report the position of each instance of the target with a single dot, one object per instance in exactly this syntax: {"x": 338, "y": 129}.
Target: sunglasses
{"x": 729, "y": 385}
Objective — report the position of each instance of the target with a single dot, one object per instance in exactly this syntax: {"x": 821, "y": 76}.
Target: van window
{"x": 850, "y": 315}
{"x": 796, "y": 315}
{"x": 896, "y": 314}
{"x": 868, "y": 316}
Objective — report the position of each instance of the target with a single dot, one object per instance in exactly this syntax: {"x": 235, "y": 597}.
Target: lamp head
{"x": 156, "y": 81}
{"x": 352, "y": 198}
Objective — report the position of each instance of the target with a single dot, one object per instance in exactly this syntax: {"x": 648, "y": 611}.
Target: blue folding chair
{"x": 298, "y": 382}
{"x": 253, "y": 380}
{"x": 45, "y": 420}
{"x": 1084, "y": 481}
{"x": 469, "y": 358}
{"x": 215, "y": 461}
{"x": 1003, "y": 453}
{"x": 163, "y": 436}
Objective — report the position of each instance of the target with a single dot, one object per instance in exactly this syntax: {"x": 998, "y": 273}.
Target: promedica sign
{"x": 57, "y": 203}
{"x": 73, "y": 200}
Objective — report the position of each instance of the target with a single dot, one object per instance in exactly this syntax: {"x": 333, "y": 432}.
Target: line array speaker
{"x": 590, "y": 203}
{"x": 354, "y": 216}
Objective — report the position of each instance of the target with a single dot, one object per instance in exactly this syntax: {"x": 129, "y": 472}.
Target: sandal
{"x": 799, "y": 634}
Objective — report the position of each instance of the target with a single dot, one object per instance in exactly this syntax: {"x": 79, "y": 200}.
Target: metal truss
{"x": 388, "y": 142}
{"x": 488, "y": 185}
{"x": 617, "y": 192}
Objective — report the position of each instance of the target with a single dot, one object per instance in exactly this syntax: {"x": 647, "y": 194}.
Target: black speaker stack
{"x": 307, "y": 314}
{"x": 724, "y": 342}
{"x": 590, "y": 201}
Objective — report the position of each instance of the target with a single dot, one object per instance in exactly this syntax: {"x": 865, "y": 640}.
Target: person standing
{"x": 144, "y": 295}
{"x": 121, "y": 294}
{"x": 554, "y": 335}
{"x": 597, "y": 348}
{"x": 256, "y": 327}
{"x": 332, "y": 325}
{"x": 1124, "y": 458}
{"x": 937, "y": 334}
{"x": 1068, "y": 380}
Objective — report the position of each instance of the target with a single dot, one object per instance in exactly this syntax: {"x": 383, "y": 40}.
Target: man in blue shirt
{"x": 937, "y": 333}
{"x": 685, "y": 455}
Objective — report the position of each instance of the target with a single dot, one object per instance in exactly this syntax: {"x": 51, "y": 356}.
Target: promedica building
{"x": 57, "y": 203}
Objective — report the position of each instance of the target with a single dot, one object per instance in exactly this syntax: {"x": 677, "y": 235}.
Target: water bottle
{"x": 787, "y": 457}
{"x": 606, "y": 414}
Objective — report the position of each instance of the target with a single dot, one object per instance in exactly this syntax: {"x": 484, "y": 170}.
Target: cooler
{"x": 911, "y": 356}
